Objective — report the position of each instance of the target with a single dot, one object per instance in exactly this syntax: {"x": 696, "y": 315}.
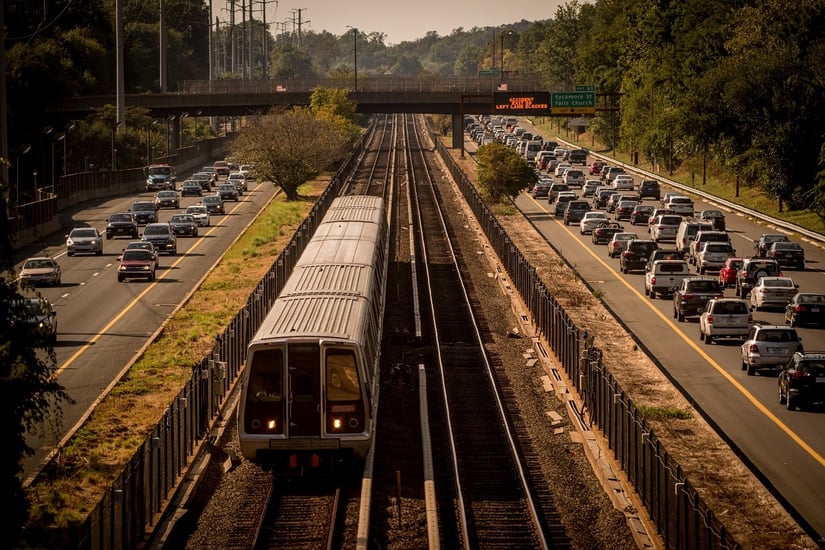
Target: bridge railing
{"x": 484, "y": 84}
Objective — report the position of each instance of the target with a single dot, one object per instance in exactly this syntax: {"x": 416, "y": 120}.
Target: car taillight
{"x": 750, "y": 318}
{"x": 796, "y": 375}
{"x": 753, "y": 348}
{"x": 687, "y": 296}
{"x": 709, "y": 319}
{"x": 653, "y": 280}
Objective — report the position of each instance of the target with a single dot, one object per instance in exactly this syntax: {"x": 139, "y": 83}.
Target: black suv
{"x": 690, "y": 299}
{"x": 635, "y": 254}
{"x": 650, "y": 189}
{"x": 162, "y": 237}
{"x": 122, "y": 224}
{"x": 578, "y": 156}
{"x": 752, "y": 270}
{"x": 764, "y": 242}
{"x": 802, "y": 381}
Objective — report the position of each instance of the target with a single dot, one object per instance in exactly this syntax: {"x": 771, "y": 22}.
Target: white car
{"x": 616, "y": 244}
{"x": 591, "y": 220}
{"x": 200, "y": 213}
{"x": 561, "y": 167}
{"x": 772, "y": 292}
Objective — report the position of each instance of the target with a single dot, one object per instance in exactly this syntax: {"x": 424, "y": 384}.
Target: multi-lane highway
{"x": 786, "y": 447}
{"x": 103, "y": 324}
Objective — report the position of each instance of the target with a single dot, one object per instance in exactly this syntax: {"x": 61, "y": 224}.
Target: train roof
{"x": 365, "y": 208}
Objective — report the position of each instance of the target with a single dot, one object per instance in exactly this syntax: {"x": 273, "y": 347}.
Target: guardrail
{"x": 815, "y": 237}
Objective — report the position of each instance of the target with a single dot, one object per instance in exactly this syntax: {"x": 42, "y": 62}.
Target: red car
{"x": 596, "y": 168}
{"x": 727, "y": 273}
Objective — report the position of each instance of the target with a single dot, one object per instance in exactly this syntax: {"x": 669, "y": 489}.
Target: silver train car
{"x": 310, "y": 384}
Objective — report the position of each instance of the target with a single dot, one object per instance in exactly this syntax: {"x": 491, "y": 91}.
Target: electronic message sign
{"x": 521, "y": 103}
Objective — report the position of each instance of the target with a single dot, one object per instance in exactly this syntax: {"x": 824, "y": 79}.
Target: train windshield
{"x": 266, "y": 375}
{"x": 342, "y": 376}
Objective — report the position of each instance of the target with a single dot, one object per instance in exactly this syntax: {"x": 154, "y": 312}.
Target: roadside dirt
{"x": 752, "y": 516}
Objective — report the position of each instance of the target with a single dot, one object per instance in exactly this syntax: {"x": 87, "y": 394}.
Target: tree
{"x": 31, "y": 394}
{"x": 290, "y": 147}
{"x": 502, "y": 172}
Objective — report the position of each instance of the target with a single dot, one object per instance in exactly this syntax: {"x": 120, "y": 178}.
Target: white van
{"x": 686, "y": 233}
{"x": 532, "y": 149}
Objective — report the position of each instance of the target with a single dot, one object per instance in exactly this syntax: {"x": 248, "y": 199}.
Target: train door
{"x": 304, "y": 389}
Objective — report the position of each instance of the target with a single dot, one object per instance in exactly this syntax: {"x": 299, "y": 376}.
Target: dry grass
{"x": 66, "y": 492}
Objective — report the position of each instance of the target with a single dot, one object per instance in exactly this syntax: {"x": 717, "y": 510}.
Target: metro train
{"x": 311, "y": 384}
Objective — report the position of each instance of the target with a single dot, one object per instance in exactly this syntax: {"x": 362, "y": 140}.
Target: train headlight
{"x": 337, "y": 423}
{"x": 271, "y": 425}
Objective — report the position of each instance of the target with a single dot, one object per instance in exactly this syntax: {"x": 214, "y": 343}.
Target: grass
{"x": 718, "y": 182}
{"x": 68, "y": 490}
{"x": 663, "y": 413}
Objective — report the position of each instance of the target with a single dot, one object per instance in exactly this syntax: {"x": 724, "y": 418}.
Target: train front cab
{"x": 312, "y": 415}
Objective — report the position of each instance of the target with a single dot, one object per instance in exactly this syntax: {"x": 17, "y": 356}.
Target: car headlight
{"x": 69, "y": 242}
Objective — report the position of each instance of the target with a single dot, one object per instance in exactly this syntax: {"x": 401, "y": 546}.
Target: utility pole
{"x": 120, "y": 92}
{"x": 251, "y": 33}
{"x": 232, "y": 50}
{"x": 163, "y": 46}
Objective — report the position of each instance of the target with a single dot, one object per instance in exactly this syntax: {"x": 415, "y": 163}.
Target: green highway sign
{"x": 489, "y": 72}
{"x": 571, "y": 103}
{"x": 585, "y": 87}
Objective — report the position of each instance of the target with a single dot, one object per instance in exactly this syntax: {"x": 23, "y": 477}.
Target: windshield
{"x": 83, "y": 233}
{"x": 156, "y": 230}
{"x": 159, "y": 171}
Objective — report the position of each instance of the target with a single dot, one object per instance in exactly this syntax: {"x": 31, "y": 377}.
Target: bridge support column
{"x": 458, "y": 132}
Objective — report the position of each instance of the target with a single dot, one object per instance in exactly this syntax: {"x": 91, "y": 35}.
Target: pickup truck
{"x": 693, "y": 294}
{"x": 665, "y": 277}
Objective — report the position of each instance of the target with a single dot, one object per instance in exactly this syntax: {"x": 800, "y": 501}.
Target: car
{"x": 805, "y": 308}
{"x": 640, "y": 214}
{"x": 562, "y": 198}
{"x": 573, "y": 177}
{"x": 238, "y": 179}
{"x": 601, "y": 197}
{"x": 727, "y": 273}
{"x": 206, "y": 180}
{"x": 772, "y": 292}
{"x": 121, "y": 224}
{"x": 700, "y": 238}
{"x": 578, "y": 156}
{"x": 623, "y": 182}
{"x": 611, "y": 174}
{"x": 144, "y": 212}
{"x": 221, "y": 167}
{"x": 200, "y": 213}
{"x": 41, "y": 317}
{"x": 137, "y": 264}
{"x": 665, "y": 277}
{"x": 184, "y": 224}
{"x": 680, "y": 204}
{"x": 802, "y": 381}
{"x": 162, "y": 237}
{"x": 624, "y": 209}
{"x": 589, "y": 187}
{"x": 209, "y": 169}
{"x": 575, "y": 211}
{"x": 612, "y": 201}
{"x": 764, "y": 242}
{"x": 591, "y": 220}
{"x": 617, "y": 242}
{"x": 656, "y": 212}
{"x": 167, "y": 199}
{"x": 635, "y": 255}
{"x": 143, "y": 245}
{"x": 716, "y": 217}
{"x": 752, "y": 270}
{"x": 603, "y": 233}
{"x": 228, "y": 192}
{"x": 84, "y": 240}
{"x": 40, "y": 270}
{"x": 541, "y": 189}
{"x": 555, "y": 189}
{"x": 724, "y": 318}
{"x": 664, "y": 227}
{"x": 213, "y": 204}
{"x": 560, "y": 168}
{"x": 693, "y": 294}
{"x": 787, "y": 253}
{"x": 191, "y": 187}
{"x": 595, "y": 167}
{"x": 650, "y": 189}
{"x": 713, "y": 255}
{"x": 666, "y": 197}
{"x": 769, "y": 347}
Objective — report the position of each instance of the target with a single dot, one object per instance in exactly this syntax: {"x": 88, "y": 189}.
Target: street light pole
{"x": 502, "y": 51}
{"x": 69, "y": 128}
{"x": 22, "y": 150}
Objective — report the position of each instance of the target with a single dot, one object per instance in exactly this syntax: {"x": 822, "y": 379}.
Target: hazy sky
{"x": 399, "y": 20}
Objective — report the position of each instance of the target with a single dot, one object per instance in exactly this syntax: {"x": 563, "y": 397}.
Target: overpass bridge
{"x": 455, "y": 96}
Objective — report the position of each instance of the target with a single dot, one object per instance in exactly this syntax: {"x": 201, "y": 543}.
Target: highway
{"x": 786, "y": 447}
{"x": 104, "y": 325}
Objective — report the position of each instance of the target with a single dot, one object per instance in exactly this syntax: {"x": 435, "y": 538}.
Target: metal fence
{"x": 682, "y": 518}
{"x": 137, "y": 495}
